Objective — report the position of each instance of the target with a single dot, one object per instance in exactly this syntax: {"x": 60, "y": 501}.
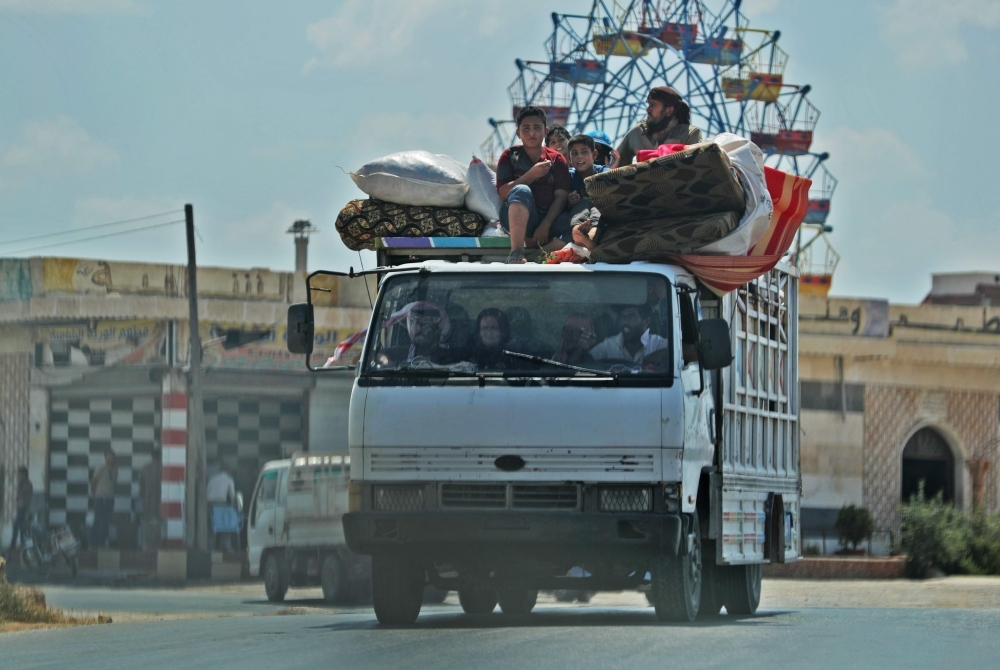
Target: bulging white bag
{"x": 482, "y": 197}
{"x": 748, "y": 161}
{"x": 414, "y": 178}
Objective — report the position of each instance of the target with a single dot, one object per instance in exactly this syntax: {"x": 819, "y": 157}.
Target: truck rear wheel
{"x": 517, "y": 602}
{"x": 276, "y": 577}
{"x": 333, "y": 579}
{"x": 397, "y": 589}
{"x": 741, "y": 588}
{"x": 676, "y": 588}
{"x": 477, "y": 599}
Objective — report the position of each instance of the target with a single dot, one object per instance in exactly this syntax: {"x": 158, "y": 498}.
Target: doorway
{"x": 927, "y": 458}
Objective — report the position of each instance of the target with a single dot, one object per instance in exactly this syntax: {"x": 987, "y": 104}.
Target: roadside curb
{"x": 891, "y": 567}
{"x": 168, "y": 565}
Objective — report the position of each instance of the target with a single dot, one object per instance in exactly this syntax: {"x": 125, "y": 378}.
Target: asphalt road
{"x": 551, "y": 638}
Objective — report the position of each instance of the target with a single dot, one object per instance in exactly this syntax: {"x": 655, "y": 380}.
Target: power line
{"x": 77, "y": 230}
{"x": 99, "y": 237}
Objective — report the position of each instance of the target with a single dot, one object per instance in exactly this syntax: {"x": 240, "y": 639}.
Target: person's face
{"x": 633, "y": 325}
{"x": 531, "y": 131}
{"x": 489, "y": 332}
{"x": 655, "y": 290}
{"x": 21, "y": 476}
{"x": 424, "y": 327}
{"x": 581, "y": 157}
{"x": 560, "y": 144}
{"x": 657, "y": 111}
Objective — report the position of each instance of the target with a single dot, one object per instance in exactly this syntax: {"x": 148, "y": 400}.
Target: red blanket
{"x": 722, "y": 274}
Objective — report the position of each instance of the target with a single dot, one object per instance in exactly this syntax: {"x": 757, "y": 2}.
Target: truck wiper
{"x": 567, "y": 366}
{"x": 407, "y": 369}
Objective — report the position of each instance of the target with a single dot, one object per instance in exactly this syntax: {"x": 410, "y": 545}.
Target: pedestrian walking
{"x": 25, "y": 491}
{"x": 102, "y": 487}
{"x": 221, "y": 498}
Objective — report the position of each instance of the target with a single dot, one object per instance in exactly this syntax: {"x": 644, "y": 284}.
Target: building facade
{"x": 895, "y": 398}
{"x": 93, "y": 357}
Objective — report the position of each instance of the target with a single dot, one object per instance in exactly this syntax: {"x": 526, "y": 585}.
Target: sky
{"x": 254, "y": 112}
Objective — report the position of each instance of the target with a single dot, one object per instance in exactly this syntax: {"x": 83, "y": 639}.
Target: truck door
{"x": 261, "y": 530}
{"x": 699, "y": 408}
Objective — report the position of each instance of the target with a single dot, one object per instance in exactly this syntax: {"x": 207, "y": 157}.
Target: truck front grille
{"x": 554, "y": 496}
{"x": 510, "y": 496}
{"x": 626, "y": 500}
{"x": 474, "y": 496}
{"x": 398, "y": 498}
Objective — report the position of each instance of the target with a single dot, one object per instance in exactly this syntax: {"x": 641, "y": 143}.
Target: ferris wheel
{"x": 598, "y": 67}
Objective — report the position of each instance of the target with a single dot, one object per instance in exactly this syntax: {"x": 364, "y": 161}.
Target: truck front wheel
{"x": 276, "y": 577}
{"x": 397, "y": 589}
{"x": 741, "y": 588}
{"x": 676, "y": 588}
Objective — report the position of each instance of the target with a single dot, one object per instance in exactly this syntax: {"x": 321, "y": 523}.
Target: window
{"x": 266, "y": 494}
{"x": 585, "y": 324}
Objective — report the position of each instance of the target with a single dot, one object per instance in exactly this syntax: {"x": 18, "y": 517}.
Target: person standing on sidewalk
{"x": 102, "y": 487}
{"x": 22, "y": 503}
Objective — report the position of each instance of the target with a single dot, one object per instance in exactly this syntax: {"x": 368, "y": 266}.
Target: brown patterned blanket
{"x": 361, "y": 221}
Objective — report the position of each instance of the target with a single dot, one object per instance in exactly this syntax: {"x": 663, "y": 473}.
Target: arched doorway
{"x": 927, "y": 458}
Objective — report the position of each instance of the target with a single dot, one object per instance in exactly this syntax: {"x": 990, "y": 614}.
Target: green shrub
{"x": 934, "y": 535}
{"x": 854, "y": 525}
{"x": 982, "y": 555}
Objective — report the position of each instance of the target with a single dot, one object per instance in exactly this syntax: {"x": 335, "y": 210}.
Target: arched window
{"x": 927, "y": 458}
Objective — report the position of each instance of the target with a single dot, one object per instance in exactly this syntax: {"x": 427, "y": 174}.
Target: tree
{"x": 854, "y": 525}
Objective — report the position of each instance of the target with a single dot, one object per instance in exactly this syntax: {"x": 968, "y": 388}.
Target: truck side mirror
{"x": 715, "y": 348}
{"x": 300, "y": 328}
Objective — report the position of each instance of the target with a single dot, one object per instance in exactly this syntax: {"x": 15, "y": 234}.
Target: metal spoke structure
{"x": 599, "y": 66}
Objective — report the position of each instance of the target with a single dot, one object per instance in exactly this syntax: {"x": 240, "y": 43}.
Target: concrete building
{"x": 895, "y": 395}
{"x": 93, "y": 356}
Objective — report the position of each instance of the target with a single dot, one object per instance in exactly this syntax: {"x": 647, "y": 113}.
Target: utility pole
{"x": 196, "y": 520}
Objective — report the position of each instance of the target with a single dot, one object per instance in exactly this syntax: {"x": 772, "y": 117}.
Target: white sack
{"x": 482, "y": 197}
{"x": 748, "y": 161}
{"x": 414, "y": 178}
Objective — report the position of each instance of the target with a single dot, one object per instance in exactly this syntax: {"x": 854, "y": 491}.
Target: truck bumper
{"x": 432, "y": 534}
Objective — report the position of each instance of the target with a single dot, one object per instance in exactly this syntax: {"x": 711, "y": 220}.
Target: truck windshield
{"x": 466, "y": 324}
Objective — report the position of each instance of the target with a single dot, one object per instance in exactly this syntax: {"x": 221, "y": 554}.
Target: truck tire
{"x": 676, "y": 588}
{"x": 397, "y": 589}
{"x": 477, "y": 599}
{"x": 741, "y": 588}
{"x": 333, "y": 579}
{"x": 711, "y": 582}
{"x": 517, "y": 602}
{"x": 276, "y": 577}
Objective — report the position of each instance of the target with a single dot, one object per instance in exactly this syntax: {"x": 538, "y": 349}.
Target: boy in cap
{"x": 668, "y": 121}
{"x": 533, "y": 183}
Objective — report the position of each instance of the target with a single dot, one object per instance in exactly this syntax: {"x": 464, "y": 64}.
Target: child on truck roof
{"x": 533, "y": 181}
{"x": 582, "y": 152}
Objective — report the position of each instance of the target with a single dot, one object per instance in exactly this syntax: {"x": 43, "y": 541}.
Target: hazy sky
{"x": 112, "y": 109}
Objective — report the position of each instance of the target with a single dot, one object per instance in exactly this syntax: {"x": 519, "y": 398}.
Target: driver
{"x": 635, "y": 342}
{"x": 426, "y": 324}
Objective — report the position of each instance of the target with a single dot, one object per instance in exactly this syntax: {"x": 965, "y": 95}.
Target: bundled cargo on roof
{"x": 362, "y": 222}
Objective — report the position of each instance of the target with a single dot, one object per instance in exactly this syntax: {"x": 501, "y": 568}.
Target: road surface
{"x": 234, "y": 627}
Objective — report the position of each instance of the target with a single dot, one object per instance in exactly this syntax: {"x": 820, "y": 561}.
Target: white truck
{"x": 294, "y": 532}
{"x": 572, "y": 427}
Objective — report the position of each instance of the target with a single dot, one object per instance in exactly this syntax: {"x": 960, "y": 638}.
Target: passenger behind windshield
{"x": 578, "y": 336}
{"x": 427, "y": 325}
{"x": 491, "y": 338}
{"x": 635, "y": 343}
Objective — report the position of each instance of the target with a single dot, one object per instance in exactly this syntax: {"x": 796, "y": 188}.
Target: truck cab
{"x": 294, "y": 533}
{"x": 591, "y": 427}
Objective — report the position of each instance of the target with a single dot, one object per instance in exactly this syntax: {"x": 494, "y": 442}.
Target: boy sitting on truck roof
{"x": 533, "y": 181}
{"x": 582, "y": 151}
